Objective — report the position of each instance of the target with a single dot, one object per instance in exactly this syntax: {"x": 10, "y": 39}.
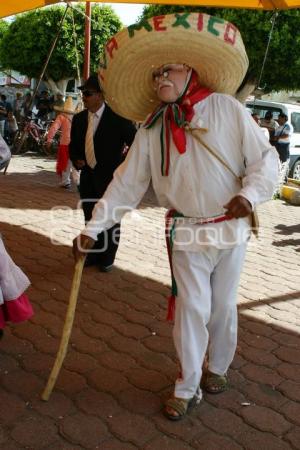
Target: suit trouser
{"x": 283, "y": 151}
{"x": 206, "y": 312}
{"x": 284, "y": 156}
{"x": 106, "y": 246}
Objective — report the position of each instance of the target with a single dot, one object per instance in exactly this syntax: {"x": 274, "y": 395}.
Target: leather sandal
{"x": 181, "y": 406}
{"x": 213, "y": 383}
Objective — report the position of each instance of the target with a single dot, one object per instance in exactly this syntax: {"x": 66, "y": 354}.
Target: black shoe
{"x": 1, "y": 334}
{"x": 105, "y": 268}
{"x": 89, "y": 262}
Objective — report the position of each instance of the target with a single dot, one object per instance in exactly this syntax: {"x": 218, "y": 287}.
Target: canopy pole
{"x": 87, "y": 41}
{"x": 23, "y": 134}
{"x": 49, "y": 56}
{"x": 273, "y": 20}
{"x": 79, "y": 106}
{"x": 76, "y": 48}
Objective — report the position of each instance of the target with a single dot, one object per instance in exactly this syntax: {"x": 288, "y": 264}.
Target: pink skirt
{"x": 15, "y": 311}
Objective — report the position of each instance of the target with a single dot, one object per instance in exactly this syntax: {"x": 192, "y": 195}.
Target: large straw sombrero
{"x": 212, "y": 46}
{"x": 67, "y": 108}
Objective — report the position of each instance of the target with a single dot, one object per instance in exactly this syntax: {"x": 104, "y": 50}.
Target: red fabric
{"x": 62, "y": 158}
{"x": 171, "y": 308}
{"x": 15, "y": 311}
{"x": 194, "y": 94}
{"x": 175, "y": 116}
{"x": 214, "y": 220}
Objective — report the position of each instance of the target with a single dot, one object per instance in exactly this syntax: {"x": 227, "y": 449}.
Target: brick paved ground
{"x": 121, "y": 362}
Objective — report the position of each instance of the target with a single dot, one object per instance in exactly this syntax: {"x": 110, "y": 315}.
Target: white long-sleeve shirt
{"x": 198, "y": 185}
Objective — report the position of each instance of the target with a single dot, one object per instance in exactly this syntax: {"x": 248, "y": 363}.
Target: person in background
{"x": 11, "y": 127}
{"x": 57, "y": 103}
{"x": 98, "y": 139}
{"x": 14, "y": 303}
{"x": 256, "y": 117}
{"x": 269, "y": 123}
{"x": 43, "y": 105}
{"x": 282, "y": 139}
{"x": 62, "y": 123}
{"x": 5, "y": 107}
{"x": 17, "y": 106}
{"x": 27, "y": 106}
{"x": 208, "y": 174}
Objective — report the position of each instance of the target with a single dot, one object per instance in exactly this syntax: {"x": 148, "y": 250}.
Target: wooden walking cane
{"x": 63, "y": 346}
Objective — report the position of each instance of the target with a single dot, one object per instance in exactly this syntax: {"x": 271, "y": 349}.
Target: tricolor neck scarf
{"x": 174, "y": 118}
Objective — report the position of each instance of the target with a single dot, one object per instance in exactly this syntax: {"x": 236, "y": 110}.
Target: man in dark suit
{"x": 98, "y": 139}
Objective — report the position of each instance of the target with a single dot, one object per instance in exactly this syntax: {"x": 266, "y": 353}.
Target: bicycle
{"x": 31, "y": 136}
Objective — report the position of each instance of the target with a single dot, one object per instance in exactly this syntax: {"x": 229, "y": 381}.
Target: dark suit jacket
{"x": 112, "y": 134}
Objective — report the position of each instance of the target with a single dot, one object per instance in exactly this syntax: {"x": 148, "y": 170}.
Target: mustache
{"x": 165, "y": 83}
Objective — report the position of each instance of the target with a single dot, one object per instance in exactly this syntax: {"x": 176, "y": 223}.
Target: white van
{"x": 293, "y": 113}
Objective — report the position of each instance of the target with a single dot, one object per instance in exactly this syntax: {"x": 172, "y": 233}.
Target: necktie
{"x": 89, "y": 142}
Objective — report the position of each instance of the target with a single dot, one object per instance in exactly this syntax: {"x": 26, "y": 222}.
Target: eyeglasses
{"x": 89, "y": 93}
{"x": 167, "y": 69}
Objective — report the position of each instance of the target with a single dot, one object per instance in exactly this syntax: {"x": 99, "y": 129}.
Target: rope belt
{"x": 170, "y": 225}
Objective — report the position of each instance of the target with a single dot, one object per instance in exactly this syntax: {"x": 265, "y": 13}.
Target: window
{"x": 295, "y": 120}
{"x": 262, "y": 109}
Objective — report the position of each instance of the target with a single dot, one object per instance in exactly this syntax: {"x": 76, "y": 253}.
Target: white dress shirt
{"x": 284, "y": 130}
{"x": 198, "y": 185}
{"x": 97, "y": 116}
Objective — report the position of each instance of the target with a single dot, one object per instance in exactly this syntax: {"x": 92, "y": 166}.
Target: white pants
{"x": 206, "y": 313}
{"x": 282, "y": 178}
{"x": 66, "y": 175}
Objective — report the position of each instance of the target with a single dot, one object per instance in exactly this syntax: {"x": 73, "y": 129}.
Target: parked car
{"x": 293, "y": 113}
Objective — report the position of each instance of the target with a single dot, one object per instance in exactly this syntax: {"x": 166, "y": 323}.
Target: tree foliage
{"x": 282, "y": 68}
{"x": 27, "y": 41}
{"x": 3, "y": 28}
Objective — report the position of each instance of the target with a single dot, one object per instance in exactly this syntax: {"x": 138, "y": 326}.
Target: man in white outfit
{"x": 180, "y": 71}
